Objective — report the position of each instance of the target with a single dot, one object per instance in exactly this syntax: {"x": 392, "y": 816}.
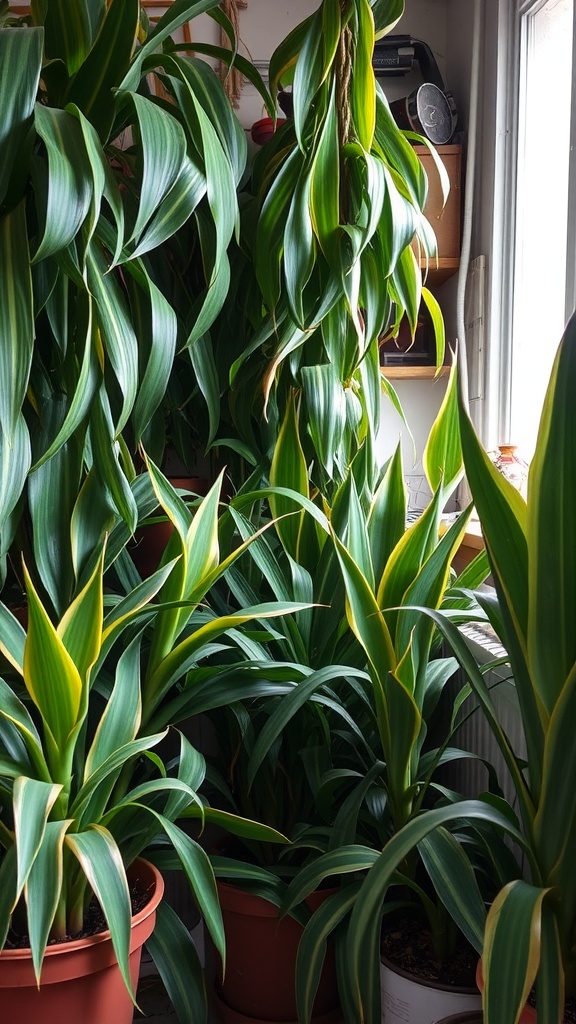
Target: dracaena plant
{"x": 531, "y": 547}
{"x": 528, "y": 936}
{"x": 82, "y": 791}
{"x": 103, "y": 170}
{"x": 326, "y": 265}
{"x": 386, "y": 569}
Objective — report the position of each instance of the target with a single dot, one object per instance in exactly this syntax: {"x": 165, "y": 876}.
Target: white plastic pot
{"x": 409, "y": 1000}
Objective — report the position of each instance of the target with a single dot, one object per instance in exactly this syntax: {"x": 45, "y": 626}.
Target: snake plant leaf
{"x": 183, "y": 656}
{"x": 510, "y": 968}
{"x": 386, "y": 520}
{"x": 435, "y": 312}
{"x": 411, "y": 552}
{"x": 188, "y": 189}
{"x": 16, "y": 321}
{"x": 203, "y": 359}
{"x": 51, "y": 677}
{"x": 287, "y": 708}
{"x": 120, "y": 721}
{"x": 179, "y": 12}
{"x": 387, "y": 14}
{"x": 104, "y": 183}
{"x": 8, "y": 896}
{"x": 15, "y": 459}
{"x": 117, "y": 332}
{"x": 191, "y": 774}
{"x": 346, "y": 860}
{"x": 164, "y": 151}
{"x": 175, "y": 956}
{"x": 271, "y": 227}
{"x": 209, "y": 92}
{"x": 17, "y": 715}
{"x": 88, "y": 382}
{"x": 12, "y": 638}
{"x": 52, "y": 491}
{"x": 106, "y": 460}
{"x": 70, "y": 179}
{"x": 313, "y": 944}
{"x": 101, "y": 862}
{"x": 288, "y": 469}
{"x": 70, "y": 29}
{"x": 374, "y": 887}
{"x": 43, "y": 889}
{"x": 283, "y": 60}
{"x": 552, "y": 833}
{"x": 442, "y": 459}
{"x": 309, "y": 72}
{"x": 326, "y": 411}
{"x": 455, "y": 882}
{"x": 551, "y": 542}
{"x": 105, "y": 64}
{"x": 363, "y": 90}
{"x": 20, "y": 64}
{"x": 299, "y": 246}
{"x": 199, "y": 872}
{"x": 324, "y": 202}
{"x": 157, "y": 333}
{"x": 32, "y": 802}
{"x": 90, "y": 801}
{"x": 80, "y": 629}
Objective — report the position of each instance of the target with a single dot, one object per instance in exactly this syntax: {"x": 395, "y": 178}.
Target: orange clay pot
{"x": 81, "y": 980}
{"x": 259, "y": 985}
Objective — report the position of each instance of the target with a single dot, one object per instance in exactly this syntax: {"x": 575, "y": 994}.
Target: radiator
{"x": 471, "y": 777}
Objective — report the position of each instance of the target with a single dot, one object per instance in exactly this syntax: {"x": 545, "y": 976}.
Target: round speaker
{"x": 426, "y": 111}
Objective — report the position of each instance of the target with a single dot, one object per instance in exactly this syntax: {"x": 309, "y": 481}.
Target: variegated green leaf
{"x": 16, "y": 321}
{"x": 32, "y": 803}
{"x": 52, "y": 679}
{"x": 288, "y": 469}
{"x": 101, "y": 862}
{"x": 70, "y": 180}
{"x": 20, "y": 64}
{"x": 43, "y": 890}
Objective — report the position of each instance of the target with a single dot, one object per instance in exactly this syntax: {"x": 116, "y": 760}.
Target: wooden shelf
{"x": 412, "y": 372}
{"x": 440, "y": 270}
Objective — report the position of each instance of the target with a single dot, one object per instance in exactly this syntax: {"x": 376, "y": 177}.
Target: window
{"x": 542, "y": 229}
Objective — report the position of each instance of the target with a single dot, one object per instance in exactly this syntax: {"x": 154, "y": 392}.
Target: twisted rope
{"x": 232, "y": 78}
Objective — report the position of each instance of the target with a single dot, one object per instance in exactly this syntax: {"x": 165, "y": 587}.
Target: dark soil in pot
{"x": 407, "y": 943}
{"x": 94, "y": 920}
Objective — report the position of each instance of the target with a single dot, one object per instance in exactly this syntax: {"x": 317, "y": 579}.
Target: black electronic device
{"x": 429, "y": 110}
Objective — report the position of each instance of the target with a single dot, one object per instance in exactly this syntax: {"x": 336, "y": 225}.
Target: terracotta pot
{"x": 81, "y": 980}
{"x": 407, "y": 999}
{"x": 150, "y": 541}
{"x": 528, "y": 1015}
{"x": 261, "y": 959}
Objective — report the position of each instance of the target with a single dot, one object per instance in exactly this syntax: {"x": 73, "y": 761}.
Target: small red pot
{"x": 261, "y": 959}
{"x": 263, "y": 130}
{"x": 81, "y": 980}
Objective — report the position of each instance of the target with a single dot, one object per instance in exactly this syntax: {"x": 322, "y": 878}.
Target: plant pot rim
{"x": 23, "y": 953}
{"x": 426, "y": 982}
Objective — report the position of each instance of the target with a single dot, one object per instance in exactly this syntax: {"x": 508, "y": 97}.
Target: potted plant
{"x": 77, "y": 809}
{"x": 351, "y": 763}
{"x": 103, "y": 172}
{"x": 385, "y": 567}
{"x": 324, "y": 267}
{"x": 77, "y": 732}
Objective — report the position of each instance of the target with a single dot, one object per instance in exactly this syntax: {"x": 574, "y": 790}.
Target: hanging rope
{"x": 232, "y": 79}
